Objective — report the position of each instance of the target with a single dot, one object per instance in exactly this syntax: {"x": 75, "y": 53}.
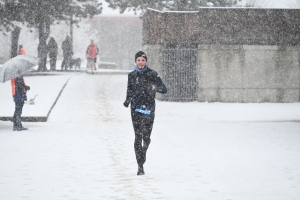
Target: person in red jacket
{"x": 91, "y": 54}
{"x": 19, "y": 90}
{"x": 21, "y": 50}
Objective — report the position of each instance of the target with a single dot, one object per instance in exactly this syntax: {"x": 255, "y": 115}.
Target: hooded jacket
{"x": 67, "y": 47}
{"x": 52, "y": 48}
{"x": 141, "y": 89}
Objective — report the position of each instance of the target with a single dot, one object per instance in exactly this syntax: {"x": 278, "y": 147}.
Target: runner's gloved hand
{"x": 126, "y": 103}
{"x": 27, "y": 87}
{"x": 151, "y": 89}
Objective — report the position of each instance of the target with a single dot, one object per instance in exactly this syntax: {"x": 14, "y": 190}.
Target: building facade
{"x": 226, "y": 54}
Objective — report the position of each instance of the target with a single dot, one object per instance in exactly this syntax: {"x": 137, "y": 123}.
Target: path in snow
{"x": 85, "y": 151}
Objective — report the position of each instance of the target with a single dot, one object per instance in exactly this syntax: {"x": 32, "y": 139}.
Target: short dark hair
{"x": 140, "y": 54}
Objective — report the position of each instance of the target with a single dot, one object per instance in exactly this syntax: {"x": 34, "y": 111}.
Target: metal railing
{"x": 179, "y": 73}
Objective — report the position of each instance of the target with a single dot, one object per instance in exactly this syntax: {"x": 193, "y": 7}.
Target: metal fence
{"x": 180, "y": 74}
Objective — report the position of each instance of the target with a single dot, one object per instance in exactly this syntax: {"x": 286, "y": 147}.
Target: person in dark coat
{"x": 52, "y": 48}
{"x": 19, "y": 89}
{"x": 67, "y": 53}
{"x": 143, "y": 83}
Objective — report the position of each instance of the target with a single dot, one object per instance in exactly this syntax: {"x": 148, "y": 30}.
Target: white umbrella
{"x": 16, "y": 67}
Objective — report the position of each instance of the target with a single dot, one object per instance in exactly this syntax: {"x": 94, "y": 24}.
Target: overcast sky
{"x": 279, "y": 3}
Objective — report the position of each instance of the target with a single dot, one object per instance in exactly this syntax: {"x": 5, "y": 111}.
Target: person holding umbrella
{"x": 143, "y": 83}
{"x": 13, "y": 70}
{"x": 19, "y": 90}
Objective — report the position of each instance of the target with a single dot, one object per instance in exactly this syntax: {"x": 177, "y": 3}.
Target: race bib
{"x": 145, "y": 112}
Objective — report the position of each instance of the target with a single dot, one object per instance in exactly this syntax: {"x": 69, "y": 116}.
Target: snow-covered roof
{"x": 223, "y": 8}
{"x": 230, "y": 26}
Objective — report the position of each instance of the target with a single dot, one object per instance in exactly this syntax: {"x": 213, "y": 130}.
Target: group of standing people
{"x": 67, "y": 48}
{"x": 52, "y": 48}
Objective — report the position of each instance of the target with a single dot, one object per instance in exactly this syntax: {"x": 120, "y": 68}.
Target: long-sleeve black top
{"x": 141, "y": 89}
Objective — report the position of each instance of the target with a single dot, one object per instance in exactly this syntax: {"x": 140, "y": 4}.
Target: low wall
{"x": 247, "y": 73}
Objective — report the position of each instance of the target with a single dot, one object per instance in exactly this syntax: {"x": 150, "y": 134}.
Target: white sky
{"x": 279, "y": 3}
{"x": 269, "y": 3}
{"x": 109, "y": 11}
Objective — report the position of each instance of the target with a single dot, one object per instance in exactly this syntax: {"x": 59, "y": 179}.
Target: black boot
{"x": 21, "y": 126}
{"x": 141, "y": 170}
{"x": 16, "y": 128}
{"x": 144, "y": 155}
{"x": 24, "y": 129}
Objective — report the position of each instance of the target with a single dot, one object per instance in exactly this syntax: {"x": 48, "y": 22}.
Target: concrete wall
{"x": 244, "y": 73}
{"x": 241, "y": 73}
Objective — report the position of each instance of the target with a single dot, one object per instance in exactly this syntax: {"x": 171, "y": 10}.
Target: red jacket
{"x": 18, "y": 89}
{"x": 22, "y": 51}
{"x": 92, "y": 51}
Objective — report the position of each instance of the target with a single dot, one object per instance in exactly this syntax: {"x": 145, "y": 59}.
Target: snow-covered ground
{"x": 205, "y": 151}
{"x": 47, "y": 89}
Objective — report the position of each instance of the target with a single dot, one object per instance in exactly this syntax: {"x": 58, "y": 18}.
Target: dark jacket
{"x": 141, "y": 89}
{"x": 19, "y": 89}
{"x": 52, "y": 48}
{"x": 67, "y": 47}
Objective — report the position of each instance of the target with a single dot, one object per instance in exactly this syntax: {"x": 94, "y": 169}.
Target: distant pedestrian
{"x": 67, "y": 53}
{"x": 91, "y": 55}
{"x": 19, "y": 90}
{"x": 21, "y": 50}
{"x": 143, "y": 83}
{"x": 53, "y": 49}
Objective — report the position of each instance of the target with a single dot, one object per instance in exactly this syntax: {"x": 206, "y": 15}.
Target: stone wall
{"x": 248, "y": 73}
